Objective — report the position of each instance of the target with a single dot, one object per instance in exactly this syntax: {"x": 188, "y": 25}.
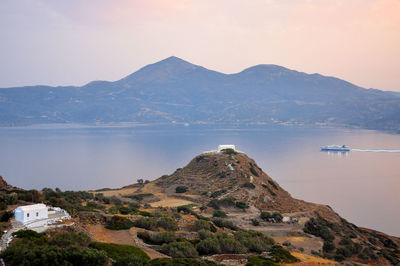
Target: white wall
{"x": 27, "y": 215}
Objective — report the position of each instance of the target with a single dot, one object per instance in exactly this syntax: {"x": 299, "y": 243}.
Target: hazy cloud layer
{"x": 59, "y": 42}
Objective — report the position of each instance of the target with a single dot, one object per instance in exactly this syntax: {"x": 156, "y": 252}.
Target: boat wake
{"x": 375, "y": 150}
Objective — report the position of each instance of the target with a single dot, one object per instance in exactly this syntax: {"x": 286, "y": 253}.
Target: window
{"x": 27, "y": 215}
{"x": 37, "y": 214}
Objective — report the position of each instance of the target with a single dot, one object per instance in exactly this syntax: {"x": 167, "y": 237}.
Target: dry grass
{"x": 293, "y": 239}
{"x": 117, "y": 192}
{"x": 170, "y": 202}
{"x": 311, "y": 260}
{"x": 165, "y": 200}
{"x": 101, "y": 234}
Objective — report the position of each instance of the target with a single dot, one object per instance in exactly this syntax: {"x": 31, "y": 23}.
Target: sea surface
{"x": 363, "y": 185}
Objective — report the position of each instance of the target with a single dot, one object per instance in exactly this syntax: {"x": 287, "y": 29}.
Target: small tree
{"x": 219, "y": 213}
{"x": 241, "y": 205}
{"x": 181, "y": 189}
{"x": 255, "y": 222}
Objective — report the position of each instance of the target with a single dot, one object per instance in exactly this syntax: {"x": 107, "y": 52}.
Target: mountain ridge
{"x": 175, "y": 90}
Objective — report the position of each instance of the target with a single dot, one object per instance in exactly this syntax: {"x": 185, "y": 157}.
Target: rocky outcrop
{"x": 3, "y": 183}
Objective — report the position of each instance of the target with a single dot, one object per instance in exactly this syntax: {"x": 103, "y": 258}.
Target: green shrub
{"x": 140, "y": 197}
{"x": 253, "y": 171}
{"x": 390, "y": 256}
{"x": 318, "y": 227}
{"x": 339, "y": 257}
{"x": 217, "y": 193}
{"x": 167, "y": 223}
{"x": 29, "y": 234}
{"x": 66, "y": 239}
{"x": 34, "y": 249}
{"x": 148, "y": 223}
{"x": 220, "y": 243}
{"x": 344, "y": 251}
{"x": 230, "y": 245}
{"x": 119, "y": 223}
{"x": 214, "y": 204}
{"x": 163, "y": 237}
{"x": 85, "y": 256}
{"x": 219, "y": 213}
{"x": 345, "y": 241}
{"x": 255, "y": 222}
{"x": 241, "y": 205}
{"x": 281, "y": 255}
{"x": 249, "y": 185}
{"x": 130, "y": 260}
{"x": 269, "y": 189}
{"x": 254, "y": 241}
{"x": 203, "y": 234}
{"x": 95, "y": 205}
{"x": 6, "y": 216}
{"x": 226, "y": 202}
{"x": 224, "y": 223}
{"x": 180, "y": 262}
{"x": 179, "y": 250}
{"x": 273, "y": 184}
{"x": 328, "y": 246}
{"x": 118, "y": 251}
{"x": 145, "y": 236}
{"x": 203, "y": 225}
{"x": 209, "y": 246}
{"x": 275, "y": 215}
{"x": 181, "y": 189}
{"x": 3, "y": 205}
{"x": 260, "y": 261}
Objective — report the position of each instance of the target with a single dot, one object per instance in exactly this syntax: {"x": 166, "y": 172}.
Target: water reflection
{"x": 337, "y": 153}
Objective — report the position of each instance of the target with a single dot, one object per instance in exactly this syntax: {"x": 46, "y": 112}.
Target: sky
{"x": 73, "y": 42}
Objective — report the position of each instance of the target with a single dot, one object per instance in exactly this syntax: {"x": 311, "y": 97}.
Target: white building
{"x": 31, "y": 213}
{"x": 224, "y": 147}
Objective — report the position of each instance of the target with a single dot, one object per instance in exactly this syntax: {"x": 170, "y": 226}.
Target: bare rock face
{"x": 3, "y": 183}
{"x": 235, "y": 175}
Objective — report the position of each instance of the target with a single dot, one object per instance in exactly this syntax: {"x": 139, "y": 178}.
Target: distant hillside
{"x": 174, "y": 90}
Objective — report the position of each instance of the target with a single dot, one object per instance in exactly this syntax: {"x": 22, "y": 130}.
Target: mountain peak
{"x": 173, "y": 59}
{"x": 160, "y": 70}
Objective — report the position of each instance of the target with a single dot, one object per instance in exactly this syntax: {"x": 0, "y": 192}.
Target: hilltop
{"x": 219, "y": 175}
{"x": 230, "y": 185}
{"x": 176, "y": 91}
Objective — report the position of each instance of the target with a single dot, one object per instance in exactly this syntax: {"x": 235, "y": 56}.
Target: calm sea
{"x": 362, "y": 186}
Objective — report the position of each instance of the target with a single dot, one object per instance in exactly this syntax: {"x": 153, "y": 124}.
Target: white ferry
{"x": 342, "y": 148}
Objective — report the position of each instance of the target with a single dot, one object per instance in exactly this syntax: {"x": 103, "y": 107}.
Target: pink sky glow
{"x": 72, "y": 42}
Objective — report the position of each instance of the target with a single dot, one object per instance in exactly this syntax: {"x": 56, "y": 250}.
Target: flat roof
{"x": 32, "y": 207}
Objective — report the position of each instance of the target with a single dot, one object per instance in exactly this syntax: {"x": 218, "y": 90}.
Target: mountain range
{"x": 176, "y": 91}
